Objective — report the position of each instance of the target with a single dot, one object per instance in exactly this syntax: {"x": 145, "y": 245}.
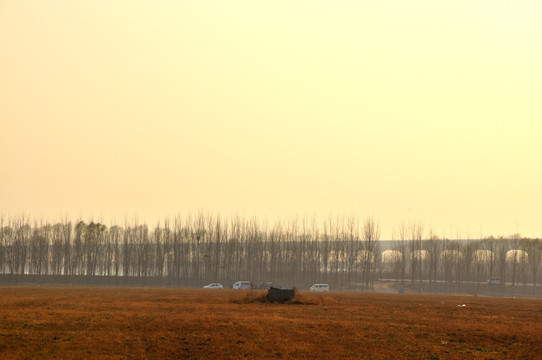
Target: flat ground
{"x": 167, "y": 323}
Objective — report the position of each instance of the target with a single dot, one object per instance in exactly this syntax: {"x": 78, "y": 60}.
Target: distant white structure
{"x": 391, "y": 256}
{"x": 419, "y": 255}
{"x": 516, "y": 256}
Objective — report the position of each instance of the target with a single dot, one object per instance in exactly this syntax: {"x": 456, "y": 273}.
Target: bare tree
{"x": 400, "y": 245}
{"x": 116, "y": 236}
{"x": 414, "y": 233}
{"x": 371, "y": 237}
{"x": 533, "y": 247}
{"x": 433, "y": 249}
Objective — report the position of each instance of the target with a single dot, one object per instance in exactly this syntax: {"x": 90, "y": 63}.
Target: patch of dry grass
{"x": 249, "y": 297}
{"x": 162, "y": 323}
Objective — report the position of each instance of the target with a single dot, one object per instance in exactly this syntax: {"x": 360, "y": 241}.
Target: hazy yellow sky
{"x": 428, "y": 111}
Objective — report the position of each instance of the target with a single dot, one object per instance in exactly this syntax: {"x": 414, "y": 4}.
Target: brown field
{"x": 166, "y": 323}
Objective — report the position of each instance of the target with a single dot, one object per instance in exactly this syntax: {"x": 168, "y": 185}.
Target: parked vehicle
{"x": 242, "y": 285}
{"x": 320, "y": 287}
{"x": 214, "y": 286}
{"x": 494, "y": 280}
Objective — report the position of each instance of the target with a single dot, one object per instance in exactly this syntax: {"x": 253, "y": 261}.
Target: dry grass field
{"x": 166, "y": 323}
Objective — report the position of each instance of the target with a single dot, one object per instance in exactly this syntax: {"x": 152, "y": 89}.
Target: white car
{"x": 214, "y": 286}
{"x": 242, "y": 285}
{"x": 320, "y": 287}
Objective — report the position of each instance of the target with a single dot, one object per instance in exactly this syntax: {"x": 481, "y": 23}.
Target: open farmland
{"x": 172, "y": 323}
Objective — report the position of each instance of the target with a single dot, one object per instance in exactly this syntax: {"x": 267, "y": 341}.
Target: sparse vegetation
{"x": 166, "y": 323}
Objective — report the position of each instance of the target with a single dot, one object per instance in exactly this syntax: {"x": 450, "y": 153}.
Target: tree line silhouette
{"x": 195, "y": 250}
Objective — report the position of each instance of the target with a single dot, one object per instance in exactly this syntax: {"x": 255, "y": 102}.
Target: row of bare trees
{"x": 195, "y": 250}
{"x": 431, "y": 263}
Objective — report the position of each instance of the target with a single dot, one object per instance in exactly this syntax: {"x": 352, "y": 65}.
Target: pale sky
{"x": 427, "y": 111}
